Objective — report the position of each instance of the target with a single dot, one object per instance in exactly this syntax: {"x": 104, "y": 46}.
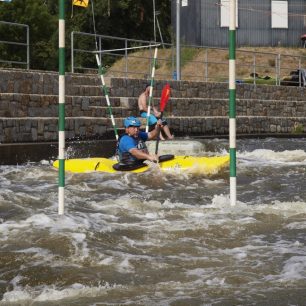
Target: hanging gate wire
{"x": 101, "y": 73}
{"x": 101, "y": 70}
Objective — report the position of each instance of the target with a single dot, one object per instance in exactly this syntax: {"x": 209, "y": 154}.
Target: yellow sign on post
{"x": 83, "y": 3}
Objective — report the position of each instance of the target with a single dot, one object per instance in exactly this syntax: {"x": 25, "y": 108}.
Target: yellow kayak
{"x": 185, "y": 164}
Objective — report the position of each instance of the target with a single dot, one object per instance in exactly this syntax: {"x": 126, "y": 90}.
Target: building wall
{"x": 200, "y": 24}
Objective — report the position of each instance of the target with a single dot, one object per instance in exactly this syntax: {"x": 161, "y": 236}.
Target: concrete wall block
{"x": 70, "y": 124}
{"x": 69, "y": 134}
{"x": 82, "y": 131}
{"x": 84, "y": 103}
{"x": 52, "y": 128}
{"x": 52, "y": 111}
{"x": 99, "y": 129}
{"x": 33, "y": 111}
{"x": 41, "y": 126}
{"x": 8, "y": 123}
{"x": 76, "y": 101}
{"x": 75, "y": 110}
{"x": 48, "y": 136}
{"x": 28, "y": 125}
{"x": 34, "y": 134}
{"x": 7, "y": 135}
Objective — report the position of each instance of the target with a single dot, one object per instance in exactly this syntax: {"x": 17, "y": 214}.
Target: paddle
{"x": 163, "y": 102}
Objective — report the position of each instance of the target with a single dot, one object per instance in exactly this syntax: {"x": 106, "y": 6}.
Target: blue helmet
{"x": 131, "y": 121}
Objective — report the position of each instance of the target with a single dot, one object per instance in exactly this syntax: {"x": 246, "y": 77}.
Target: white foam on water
{"x": 40, "y": 220}
{"x": 80, "y": 245}
{"x": 200, "y": 272}
{"x": 196, "y": 215}
{"x": 81, "y": 187}
{"x": 150, "y": 212}
{"x": 51, "y": 293}
{"x": 294, "y": 269}
{"x": 298, "y": 244}
{"x": 290, "y": 157}
{"x": 216, "y": 281}
{"x": 41, "y": 257}
{"x": 213, "y": 181}
{"x": 10, "y": 228}
{"x": 124, "y": 266}
{"x": 168, "y": 204}
{"x": 45, "y": 162}
{"x": 239, "y": 253}
{"x": 137, "y": 243}
{"x": 296, "y": 225}
{"x": 104, "y": 184}
{"x": 35, "y": 250}
{"x": 106, "y": 261}
{"x": 34, "y": 173}
{"x": 135, "y": 206}
{"x": 205, "y": 277}
{"x": 152, "y": 216}
{"x": 5, "y": 183}
{"x": 74, "y": 228}
{"x": 220, "y": 200}
{"x": 229, "y": 240}
{"x": 284, "y": 209}
{"x": 17, "y": 295}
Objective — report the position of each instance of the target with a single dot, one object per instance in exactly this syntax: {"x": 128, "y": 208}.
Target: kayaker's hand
{"x": 153, "y": 158}
{"x": 159, "y": 123}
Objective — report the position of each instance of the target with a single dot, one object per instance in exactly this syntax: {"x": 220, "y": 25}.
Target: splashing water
{"x": 152, "y": 239}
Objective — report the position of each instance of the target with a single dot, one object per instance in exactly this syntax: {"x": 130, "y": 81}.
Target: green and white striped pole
{"x": 101, "y": 73}
{"x": 61, "y": 107}
{"x": 232, "y": 102}
{"x": 151, "y": 89}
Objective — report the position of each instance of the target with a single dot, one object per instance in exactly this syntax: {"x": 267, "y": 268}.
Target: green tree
{"x": 124, "y": 18}
{"x": 42, "y": 30}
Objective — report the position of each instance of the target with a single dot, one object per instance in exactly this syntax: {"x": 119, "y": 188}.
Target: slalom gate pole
{"x": 104, "y": 87}
{"x": 151, "y": 89}
{"x": 232, "y": 102}
{"x": 61, "y": 107}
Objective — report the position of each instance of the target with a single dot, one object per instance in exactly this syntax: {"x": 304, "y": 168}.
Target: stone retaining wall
{"x": 29, "y": 107}
{"x": 45, "y": 129}
{"x": 25, "y": 105}
{"x": 183, "y": 89}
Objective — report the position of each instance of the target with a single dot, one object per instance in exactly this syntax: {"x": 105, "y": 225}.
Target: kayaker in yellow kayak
{"x": 131, "y": 147}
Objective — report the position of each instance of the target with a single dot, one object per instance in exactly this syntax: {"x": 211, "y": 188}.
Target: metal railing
{"x": 210, "y": 63}
{"x": 121, "y": 43}
{"x": 16, "y": 43}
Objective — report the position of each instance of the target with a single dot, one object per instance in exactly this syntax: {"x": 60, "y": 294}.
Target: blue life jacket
{"x": 125, "y": 157}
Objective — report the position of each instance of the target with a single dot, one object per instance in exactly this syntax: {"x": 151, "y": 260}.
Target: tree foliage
{"x": 122, "y": 18}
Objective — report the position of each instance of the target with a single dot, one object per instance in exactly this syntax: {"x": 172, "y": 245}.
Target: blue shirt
{"x": 126, "y": 143}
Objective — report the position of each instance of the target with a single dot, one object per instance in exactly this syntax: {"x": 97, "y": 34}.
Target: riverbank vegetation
{"x": 265, "y": 65}
{"x": 122, "y": 18}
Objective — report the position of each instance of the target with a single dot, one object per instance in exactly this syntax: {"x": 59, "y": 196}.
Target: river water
{"x": 158, "y": 239}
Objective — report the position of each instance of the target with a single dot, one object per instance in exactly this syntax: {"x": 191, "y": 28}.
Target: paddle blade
{"x": 164, "y": 97}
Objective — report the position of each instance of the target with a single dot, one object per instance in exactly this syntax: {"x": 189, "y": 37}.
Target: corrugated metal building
{"x": 259, "y": 22}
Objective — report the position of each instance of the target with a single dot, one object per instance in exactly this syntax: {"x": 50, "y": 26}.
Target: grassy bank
{"x": 211, "y": 64}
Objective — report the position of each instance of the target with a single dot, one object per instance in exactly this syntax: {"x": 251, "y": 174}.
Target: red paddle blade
{"x": 164, "y": 97}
